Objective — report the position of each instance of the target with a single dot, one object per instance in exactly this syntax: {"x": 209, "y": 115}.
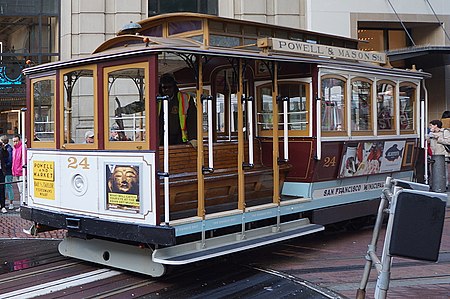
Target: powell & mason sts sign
{"x": 297, "y": 47}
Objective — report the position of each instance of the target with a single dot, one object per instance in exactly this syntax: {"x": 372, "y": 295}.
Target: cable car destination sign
{"x": 297, "y": 47}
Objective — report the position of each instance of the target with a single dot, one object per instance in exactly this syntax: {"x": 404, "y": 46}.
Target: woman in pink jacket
{"x": 17, "y": 170}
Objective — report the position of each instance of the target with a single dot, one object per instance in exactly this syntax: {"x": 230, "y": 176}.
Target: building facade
{"x": 29, "y": 31}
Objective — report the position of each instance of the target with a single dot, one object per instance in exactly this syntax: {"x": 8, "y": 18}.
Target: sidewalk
{"x": 12, "y": 226}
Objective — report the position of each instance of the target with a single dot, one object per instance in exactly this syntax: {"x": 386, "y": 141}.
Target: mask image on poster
{"x": 122, "y": 187}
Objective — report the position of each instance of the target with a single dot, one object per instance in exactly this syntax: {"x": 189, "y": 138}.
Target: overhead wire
{"x": 439, "y": 21}
{"x": 401, "y": 22}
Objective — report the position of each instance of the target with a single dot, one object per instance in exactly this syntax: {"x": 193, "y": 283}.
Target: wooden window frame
{"x": 345, "y": 127}
{"x": 414, "y": 107}
{"x": 291, "y": 133}
{"x": 43, "y": 144}
{"x": 94, "y": 145}
{"x": 370, "y": 131}
{"x": 126, "y": 145}
{"x": 393, "y": 130}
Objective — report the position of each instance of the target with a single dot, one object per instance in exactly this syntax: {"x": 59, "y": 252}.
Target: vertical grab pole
{"x": 210, "y": 134}
{"x": 275, "y": 146}
{"x": 201, "y": 212}
{"x": 276, "y": 180}
{"x": 166, "y": 160}
{"x": 319, "y": 118}
{"x": 165, "y": 174}
{"x": 285, "y": 128}
{"x": 423, "y": 142}
{"x": 241, "y": 141}
{"x": 24, "y": 162}
{"x": 423, "y": 122}
{"x": 250, "y": 130}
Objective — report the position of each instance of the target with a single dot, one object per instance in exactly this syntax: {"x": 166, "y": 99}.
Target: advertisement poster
{"x": 123, "y": 187}
{"x": 392, "y": 156}
{"x": 365, "y": 158}
{"x": 44, "y": 179}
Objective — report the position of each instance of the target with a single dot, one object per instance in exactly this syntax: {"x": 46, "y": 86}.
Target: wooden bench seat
{"x": 221, "y": 186}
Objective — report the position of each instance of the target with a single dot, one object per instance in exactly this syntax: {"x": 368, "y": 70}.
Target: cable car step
{"x": 218, "y": 246}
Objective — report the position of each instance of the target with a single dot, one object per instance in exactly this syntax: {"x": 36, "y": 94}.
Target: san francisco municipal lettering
{"x": 336, "y": 191}
{"x": 284, "y": 45}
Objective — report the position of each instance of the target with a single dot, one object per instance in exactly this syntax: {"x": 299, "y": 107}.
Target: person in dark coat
{"x": 3, "y": 156}
{"x": 9, "y": 193}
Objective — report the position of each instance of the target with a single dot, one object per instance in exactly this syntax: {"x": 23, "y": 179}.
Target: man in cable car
{"x": 182, "y": 113}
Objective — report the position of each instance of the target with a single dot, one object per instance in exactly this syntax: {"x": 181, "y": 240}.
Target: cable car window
{"x": 333, "y": 104}
{"x": 296, "y": 92}
{"x": 224, "y": 41}
{"x": 222, "y": 122}
{"x": 385, "y": 106}
{"x": 361, "y": 107}
{"x": 43, "y": 103}
{"x": 265, "y": 110}
{"x": 126, "y": 104}
{"x": 407, "y": 107}
{"x": 297, "y": 105}
{"x": 153, "y": 31}
{"x": 220, "y": 102}
{"x": 180, "y": 27}
{"x": 234, "y": 113}
{"x": 78, "y": 106}
{"x": 226, "y": 104}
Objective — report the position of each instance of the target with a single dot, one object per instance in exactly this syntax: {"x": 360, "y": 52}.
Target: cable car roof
{"x": 136, "y": 45}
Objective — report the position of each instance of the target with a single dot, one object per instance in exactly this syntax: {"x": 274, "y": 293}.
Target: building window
{"x": 382, "y": 39}
{"x": 156, "y": 7}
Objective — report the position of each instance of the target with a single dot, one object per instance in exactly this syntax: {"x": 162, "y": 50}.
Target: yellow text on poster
{"x": 123, "y": 199}
{"x": 44, "y": 189}
{"x": 44, "y": 170}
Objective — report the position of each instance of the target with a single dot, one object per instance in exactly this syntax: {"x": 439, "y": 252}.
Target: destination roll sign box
{"x": 297, "y": 47}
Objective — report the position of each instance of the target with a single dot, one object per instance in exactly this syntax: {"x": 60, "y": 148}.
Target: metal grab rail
{"x": 209, "y": 104}
{"x": 14, "y": 182}
{"x": 285, "y": 129}
{"x": 165, "y": 174}
{"x": 249, "y": 129}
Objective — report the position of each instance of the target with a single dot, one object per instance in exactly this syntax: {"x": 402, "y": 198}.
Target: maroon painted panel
{"x": 328, "y": 166}
{"x": 305, "y": 168}
{"x": 301, "y": 157}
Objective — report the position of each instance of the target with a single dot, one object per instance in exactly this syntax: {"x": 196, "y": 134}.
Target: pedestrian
{"x": 3, "y": 156}
{"x": 435, "y": 138}
{"x": 17, "y": 170}
{"x": 446, "y": 125}
{"x": 9, "y": 193}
